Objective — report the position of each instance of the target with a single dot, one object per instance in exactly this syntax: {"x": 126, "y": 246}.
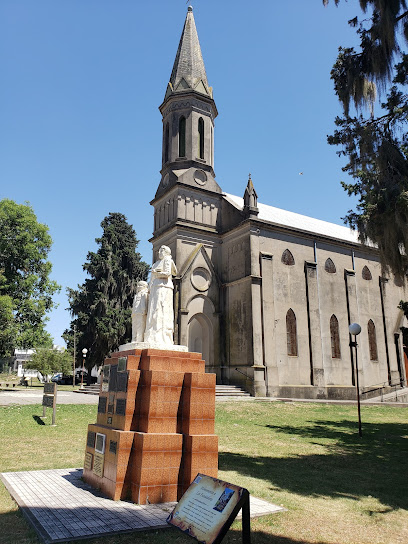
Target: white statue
{"x": 160, "y": 315}
{"x": 139, "y": 311}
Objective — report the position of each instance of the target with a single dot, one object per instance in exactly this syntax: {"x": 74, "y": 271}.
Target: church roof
{"x": 189, "y": 71}
{"x": 298, "y": 221}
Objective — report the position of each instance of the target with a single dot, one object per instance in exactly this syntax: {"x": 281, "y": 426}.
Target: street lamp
{"x": 355, "y": 329}
{"x": 84, "y": 352}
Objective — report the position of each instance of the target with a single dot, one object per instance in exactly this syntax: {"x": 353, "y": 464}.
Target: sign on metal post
{"x": 50, "y": 399}
{"x": 208, "y": 508}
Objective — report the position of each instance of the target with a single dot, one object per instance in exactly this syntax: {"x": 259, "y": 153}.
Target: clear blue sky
{"x": 81, "y": 82}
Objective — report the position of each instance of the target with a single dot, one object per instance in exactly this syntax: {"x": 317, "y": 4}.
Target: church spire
{"x": 188, "y": 70}
{"x": 188, "y": 112}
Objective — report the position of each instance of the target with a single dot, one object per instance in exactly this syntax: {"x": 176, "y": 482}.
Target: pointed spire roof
{"x": 189, "y": 71}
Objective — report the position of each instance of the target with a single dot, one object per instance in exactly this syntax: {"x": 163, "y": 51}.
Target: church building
{"x": 266, "y": 295}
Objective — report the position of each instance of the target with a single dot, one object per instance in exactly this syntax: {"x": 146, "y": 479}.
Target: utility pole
{"x": 73, "y": 374}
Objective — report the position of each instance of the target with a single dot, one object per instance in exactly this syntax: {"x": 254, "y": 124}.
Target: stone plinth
{"x": 155, "y": 426}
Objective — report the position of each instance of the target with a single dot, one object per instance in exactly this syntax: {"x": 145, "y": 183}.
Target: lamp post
{"x": 84, "y": 352}
{"x": 355, "y": 329}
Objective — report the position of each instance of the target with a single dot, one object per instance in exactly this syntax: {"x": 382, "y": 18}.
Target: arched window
{"x": 287, "y": 258}
{"x": 329, "y": 266}
{"x": 372, "y": 341}
{"x": 366, "y": 273}
{"x": 201, "y": 138}
{"x": 291, "y": 333}
{"x": 335, "y": 337}
{"x": 182, "y": 137}
{"x": 166, "y": 143}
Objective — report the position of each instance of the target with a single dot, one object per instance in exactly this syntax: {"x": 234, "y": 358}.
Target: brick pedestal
{"x": 156, "y": 424}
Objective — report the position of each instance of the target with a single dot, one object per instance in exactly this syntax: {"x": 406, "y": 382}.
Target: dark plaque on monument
{"x": 90, "y": 441}
{"x": 121, "y": 407}
{"x": 122, "y": 362}
{"x": 112, "y": 378}
{"x": 102, "y": 405}
{"x": 113, "y": 446}
{"x": 111, "y": 408}
{"x": 106, "y": 372}
{"x": 121, "y": 381}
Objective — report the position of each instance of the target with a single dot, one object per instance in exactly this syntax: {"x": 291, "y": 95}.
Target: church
{"x": 266, "y": 295}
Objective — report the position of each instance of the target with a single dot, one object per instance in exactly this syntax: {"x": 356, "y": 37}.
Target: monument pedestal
{"x": 155, "y": 426}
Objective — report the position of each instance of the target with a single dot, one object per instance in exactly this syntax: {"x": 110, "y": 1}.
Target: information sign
{"x": 49, "y": 399}
{"x": 208, "y": 507}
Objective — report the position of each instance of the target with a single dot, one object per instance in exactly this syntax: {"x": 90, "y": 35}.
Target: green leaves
{"x": 376, "y": 147}
{"x": 24, "y": 278}
{"x": 50, "y": 361}
{"x": 101, "y": 306}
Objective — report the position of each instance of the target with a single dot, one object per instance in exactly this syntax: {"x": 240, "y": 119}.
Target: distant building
{"x": 265, "y": 294}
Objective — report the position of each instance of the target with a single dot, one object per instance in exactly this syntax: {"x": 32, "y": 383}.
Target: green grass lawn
{"x": 337, "y": 488}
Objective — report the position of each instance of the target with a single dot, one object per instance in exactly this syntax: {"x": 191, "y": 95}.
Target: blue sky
{"x": 81, "y": 132}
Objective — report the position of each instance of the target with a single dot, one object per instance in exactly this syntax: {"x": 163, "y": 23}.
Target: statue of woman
{"x": 160, "y": 315}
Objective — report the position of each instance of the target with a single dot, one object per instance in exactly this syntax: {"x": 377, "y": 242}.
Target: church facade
{"x": 266, "y": 295}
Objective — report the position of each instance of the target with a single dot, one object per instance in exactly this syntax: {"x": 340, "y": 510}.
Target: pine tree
{"x": 101, "y": 306}
{"x": 376, "y": 145}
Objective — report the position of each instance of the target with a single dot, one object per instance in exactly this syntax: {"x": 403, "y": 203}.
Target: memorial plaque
{"x": 105, "y": 387}
{"x": 121, "y": 381}
{"x": 109, "y": 421}
{"x": 207, "y": 508}
{"x": 112, "y": 378}
{"x": 98, "y": 464}
{"x": 48, "y": 401}
{"x": 121, "y": 407}
{"x": 111, "y": 408}
{"x": 113, "y": 445}
{"x": 49, "y": 388}
{"x": 102, "y": 405}
{"x": 90, "y": 441}
{"x": 100, "y": 443}
{"x": 88, "y": 460}
{"x": 122, "y": 362}
{"x": 106, "y": 373}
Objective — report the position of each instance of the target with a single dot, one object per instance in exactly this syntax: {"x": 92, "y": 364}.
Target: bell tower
{"x": 188, "y": 112}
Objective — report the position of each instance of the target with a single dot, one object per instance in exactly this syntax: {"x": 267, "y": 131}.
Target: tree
{"x": 25, "y": 287}
{"x": 102, "y": 305}
{"x": 376, "y": 145}
{"x": 50, "y": 361}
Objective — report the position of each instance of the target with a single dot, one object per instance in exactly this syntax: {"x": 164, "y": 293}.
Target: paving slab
{"x": 61, "y": 507}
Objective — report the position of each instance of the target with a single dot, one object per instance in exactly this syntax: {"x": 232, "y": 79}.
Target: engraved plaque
{"x": 98, "y": 464}
{"x": 121, "y": 407}
{"x": 88, "y": 460}
{"x": 121, "y": 381}
{"x": 91, "y": 439}
{"x": 112, "y": 378}
{"x": 109, "y": 422}
{"x": 111, "y": 408}
{"x": 122, "y": 362}
{"x": 100, "y": 443}
{"x": 102, "y": 405}
{"x": 113, "y": 445}
{"x": 49, "y": 388}
{"x": 106, "y": 373}
{"x": 48, "y": 401}
{"x": 105, "y": 387}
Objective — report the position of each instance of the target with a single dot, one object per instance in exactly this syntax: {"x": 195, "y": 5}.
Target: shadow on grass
{"x": 38, "y": 420}
{"x": 375, "y": 465}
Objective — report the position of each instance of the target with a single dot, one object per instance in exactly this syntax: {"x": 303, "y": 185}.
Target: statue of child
{"x": 139, "y": 311}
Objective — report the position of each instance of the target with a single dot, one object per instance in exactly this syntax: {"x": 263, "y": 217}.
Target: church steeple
{"x": 188, "y": 112}
{"x": 189, "y": 70}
